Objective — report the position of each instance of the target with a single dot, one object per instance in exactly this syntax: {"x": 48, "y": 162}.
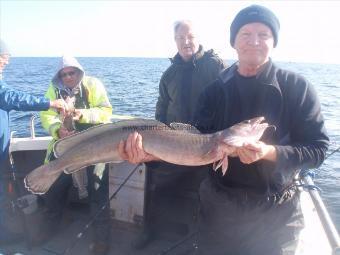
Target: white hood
{"x": 67, "y": 61}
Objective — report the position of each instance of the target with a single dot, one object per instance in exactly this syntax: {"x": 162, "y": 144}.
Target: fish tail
{"x": 41, "y": 179}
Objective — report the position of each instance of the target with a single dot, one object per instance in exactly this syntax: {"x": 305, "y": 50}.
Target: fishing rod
{"x": 94, "y": 217}
{"x": 334, "y": 151}
{"x": 179, "y": 243}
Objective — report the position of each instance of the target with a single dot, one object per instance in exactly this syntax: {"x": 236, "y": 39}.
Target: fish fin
{"x": 210, "y": 154}
{"x": 117, "y": 161}
{"x": 184, "y": 127}
{"x": 41, "y": 179}
{"x": 74, "y": 168}
{"x": 224, "y": 164}
{"x": 218, "y": 165}
{"x": 63, "y": 145}
{"x": 235, "y": 141}
{"x": 139, "y": 122}
{"x": 214, "y": 166}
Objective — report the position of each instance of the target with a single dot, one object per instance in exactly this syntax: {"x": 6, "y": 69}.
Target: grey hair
{"x": 179, "y": 23}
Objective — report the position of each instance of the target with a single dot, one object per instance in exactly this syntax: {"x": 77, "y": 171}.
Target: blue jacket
{"x": 15, "y": 100}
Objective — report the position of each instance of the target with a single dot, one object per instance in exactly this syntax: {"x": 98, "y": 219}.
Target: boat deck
{"x": 127, "y": 214}
{"x": 312, "y": 239}
{"x": 74, "y": 221}
{"x": 126, "y": 209}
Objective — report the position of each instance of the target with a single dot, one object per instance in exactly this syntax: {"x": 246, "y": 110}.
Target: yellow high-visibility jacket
{"x": 99, "y": 111}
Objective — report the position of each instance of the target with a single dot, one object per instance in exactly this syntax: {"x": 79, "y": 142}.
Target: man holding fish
{"x": 254, "y": 208}
{"x": 88, "y": 105}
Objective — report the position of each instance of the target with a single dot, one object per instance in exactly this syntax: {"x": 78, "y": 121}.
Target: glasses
{"x": 64, "y": 74}
{"x": 184, "y": 38}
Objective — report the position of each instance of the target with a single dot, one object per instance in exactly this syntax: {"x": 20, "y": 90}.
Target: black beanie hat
{"x": 251, "y": 14}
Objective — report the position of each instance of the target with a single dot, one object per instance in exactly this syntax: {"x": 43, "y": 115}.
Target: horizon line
{"x": 228, "y": 60}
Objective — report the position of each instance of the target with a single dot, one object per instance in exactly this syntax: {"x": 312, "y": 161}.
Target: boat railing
{"x": 326, "y": 221}
{"x": 32, "y": 128}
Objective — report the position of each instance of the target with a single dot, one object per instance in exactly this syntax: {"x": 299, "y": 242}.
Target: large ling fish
{"x": 179, "y": 144}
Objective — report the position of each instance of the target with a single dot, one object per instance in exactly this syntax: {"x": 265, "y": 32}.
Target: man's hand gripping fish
{"x": 176, "y": 144}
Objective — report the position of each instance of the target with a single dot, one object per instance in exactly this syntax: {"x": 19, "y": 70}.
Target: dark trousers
{"x": 55, "y": 200}
{"x": 171, "y": 202}
{"x": 2, "y": 198}
{"x": 235, "y": 224}
{"x": 4, "y": 173}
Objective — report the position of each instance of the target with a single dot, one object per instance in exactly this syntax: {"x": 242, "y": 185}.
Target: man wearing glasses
{"x": 191, "y": 70}
{"x": 91, "y": 107}
{"x": 13, "y": 100}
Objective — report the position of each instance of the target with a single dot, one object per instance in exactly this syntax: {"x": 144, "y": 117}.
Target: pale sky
{"x": 309, "y": 29}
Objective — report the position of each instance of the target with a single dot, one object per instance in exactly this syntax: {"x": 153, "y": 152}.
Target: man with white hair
{"x": 191, "y": 70}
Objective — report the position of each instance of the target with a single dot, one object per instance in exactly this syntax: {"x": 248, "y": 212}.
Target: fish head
{"x": 245, "y": 131}
{"x": 70, "y": 101}
{"x": 67, "y": 118}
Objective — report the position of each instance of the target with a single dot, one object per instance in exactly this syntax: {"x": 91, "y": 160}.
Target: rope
{"x": 309, "y": 187}
{"x": 312, "y": 174}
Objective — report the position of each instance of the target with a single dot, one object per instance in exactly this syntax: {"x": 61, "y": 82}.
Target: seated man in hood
{"x": 88, "y": 97}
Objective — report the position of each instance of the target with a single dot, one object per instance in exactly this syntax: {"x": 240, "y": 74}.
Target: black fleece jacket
{"x": 183, "y": 82}
{"x": 179, "y": 90}
{"x": 287, "y": 101}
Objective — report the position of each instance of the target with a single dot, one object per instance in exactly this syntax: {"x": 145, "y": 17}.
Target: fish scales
{"x": 159, "y": 143}
{"x": 183, "y": 147}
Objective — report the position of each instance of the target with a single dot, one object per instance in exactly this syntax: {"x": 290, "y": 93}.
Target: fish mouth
{"x": 246, "y": 130}
{"x": 258, "y": 124}
{"x": 256, "y": 121}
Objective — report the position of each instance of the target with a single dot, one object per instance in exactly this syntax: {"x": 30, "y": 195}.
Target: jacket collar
{"x": 177, "y": 59}
{"x": 227, "y": 74}
{"x": 265, "y": 76}
{"x": 270, "y": 100}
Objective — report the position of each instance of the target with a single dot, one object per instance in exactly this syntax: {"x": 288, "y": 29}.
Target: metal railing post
{"x": 326, "y": 221}
{"x": 32, "y": 129}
